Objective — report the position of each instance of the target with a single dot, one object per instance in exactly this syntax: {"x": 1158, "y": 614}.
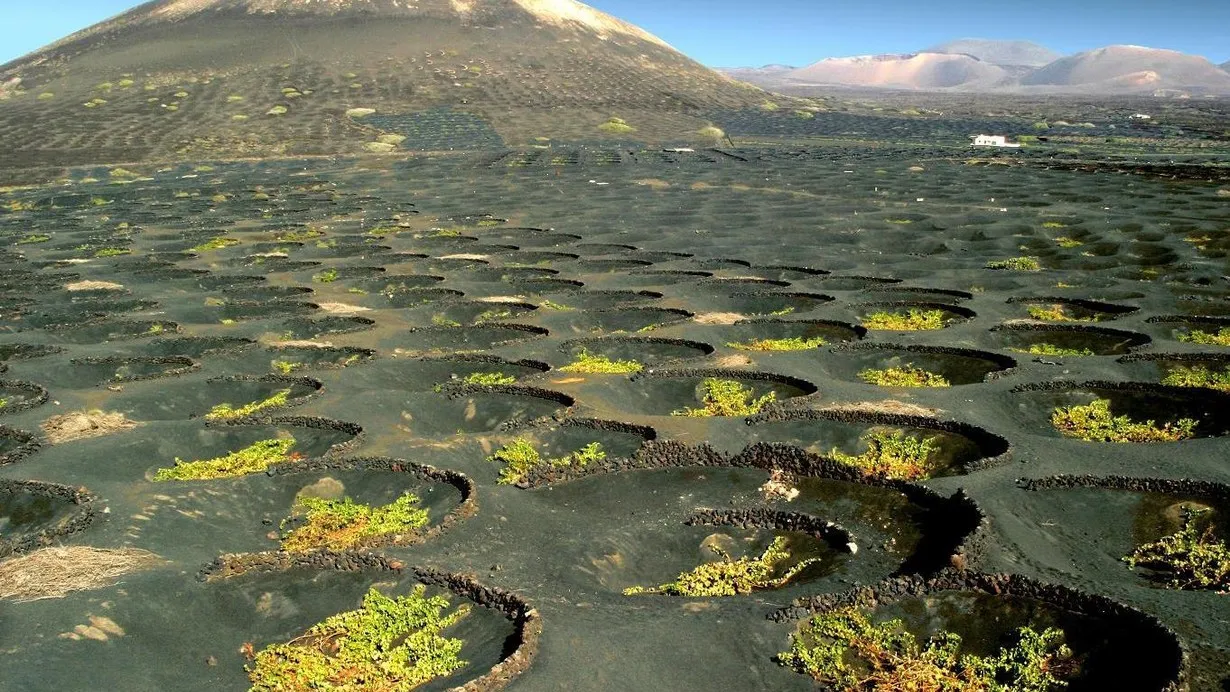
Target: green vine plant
{"x": 519, "y": 458}
{"x": 1055, "y": 313}
{"x": 1219, "y": 338}
{"x": 1191, "y": 559}
{"x": 493, "y": 315}
{"x": 255, "y": 458}
{"x": 286, "y": 367}
{"x": 345, "y": 524}
{"x": 893, "y": 454}
{"x": 1199, "y": 376}
{"x": 905, "y": 376}
{"x": 1045, "y": 349}
{"x": 327, "y": 276}
{"x": 795, "y": 343}
{"x": 912, "y": 320}
{"x": 1095, "y": 423}
{"x": 226, "y": 411}
{"x": 726, "y": 398}
{"x": 216, "y": 244}
{"x": 489, "y": 379}
{"x": 727, "y": 577}
{"x": 595, "y": 364}
{"x": 1017, "y": 264}
{"x": 847, "y": 652}
{"x": 389, "y": 644}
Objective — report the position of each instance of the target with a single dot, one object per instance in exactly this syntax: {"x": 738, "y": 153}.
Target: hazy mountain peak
{"x": 1003, "y": 53}
{"x": 1126, "y": 67}
{"x": 926, "y": 70}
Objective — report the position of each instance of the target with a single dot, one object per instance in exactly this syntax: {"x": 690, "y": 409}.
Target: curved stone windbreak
{"x": 1168, "y": 486}
{"x": 949, "y": 524}
{"x": 353, "y": 431}
{"x": 993, "y": 449}
{"x": 547, "y": 475}
{"x": 630, "y": 347}
{"x": 17, "y": 445}
{"x": 467, "y": 508}
{"x": 198, "y": 346}
{"x": 999, "y": 364}
{"x": 1102, "y": 341}
{"x": 1089, "y": 309}
{"x": 1158, "y": 644}
{"x": 80, "y": 517}
{"x": 314, "y": 387}
{"x": 894, "y": 290}
{"x": 32, "y": 396}
{"x": 1165, "y": 403}
{"x": 836, "y": 536}
{"x": 180, "y": 365}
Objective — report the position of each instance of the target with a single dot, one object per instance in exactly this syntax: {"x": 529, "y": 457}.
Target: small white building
{"x": 994, "y": 141}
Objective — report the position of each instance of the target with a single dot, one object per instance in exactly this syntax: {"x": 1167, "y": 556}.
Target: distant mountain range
{"x": 979, "y": 65}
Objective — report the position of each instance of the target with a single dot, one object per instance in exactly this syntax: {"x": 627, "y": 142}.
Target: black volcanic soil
{"x": 672, "y": 258}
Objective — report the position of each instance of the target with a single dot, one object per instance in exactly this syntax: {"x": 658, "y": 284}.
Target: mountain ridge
{"x": 1001, "y": 53}
{"x": 1111, "y": 70}
{"x": 172, "y": 79}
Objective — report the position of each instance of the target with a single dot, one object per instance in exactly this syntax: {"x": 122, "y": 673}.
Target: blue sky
{"x": 745, "y": 32}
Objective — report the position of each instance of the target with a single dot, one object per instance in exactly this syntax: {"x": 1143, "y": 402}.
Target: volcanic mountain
{"x": 1120, "y": 69}
{"x": 175, "y": 79}
{"x": 916, "y": 71}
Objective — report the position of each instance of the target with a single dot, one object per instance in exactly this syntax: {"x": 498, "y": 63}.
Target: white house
{"x": 993, "y": 141}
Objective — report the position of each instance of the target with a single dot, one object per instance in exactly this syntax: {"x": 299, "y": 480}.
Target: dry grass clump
{"x": 58, "y": 571}
{"x": 93, "y": 286}
{"x": 342, "y": 308}
{"x": 81, "y": 425}
{"x": 890, "y": 406}
{"x": 721, "y": 318}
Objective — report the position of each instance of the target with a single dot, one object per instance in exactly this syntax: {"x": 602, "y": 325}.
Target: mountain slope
{"x": 1131, "y": 68}
{"x": 1001, "y": 53}
{"x": 918, "y": 71}
{"x": 174, "y": 79}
